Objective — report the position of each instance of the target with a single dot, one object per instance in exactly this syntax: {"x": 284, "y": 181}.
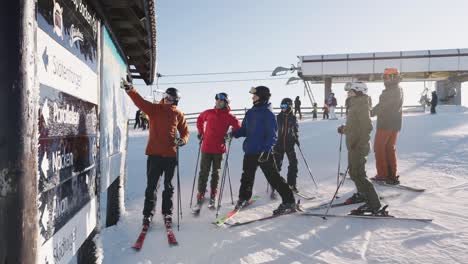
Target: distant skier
{"x": 259, "y": 128}
{"x": 434, "y": 102}
{"x": 297, "y": 107}
{"x": 331, "y": 103}
{"x": 325, "y": 111}
{"x": 288, "y": 136}
{"x": 164, "y": 122}
{"x": 357, "y": 130}
{"x": 137, "y": 119}
{"x": 212, "y": 126}
{"x": 389, "y": 119}
{"x": 314, "y": 111}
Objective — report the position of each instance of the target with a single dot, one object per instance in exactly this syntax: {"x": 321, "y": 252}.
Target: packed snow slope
{"x": 432, "y": 154}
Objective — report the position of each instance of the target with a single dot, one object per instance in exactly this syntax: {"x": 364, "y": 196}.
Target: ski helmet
{"x": 262, "y": 92}
{"x": 286, "y": 103}
{"x": 222, "y": 96}
{"x": 391, "y": 76}
{"x": 172, "y": 94}
{"x": 356, "y": 86}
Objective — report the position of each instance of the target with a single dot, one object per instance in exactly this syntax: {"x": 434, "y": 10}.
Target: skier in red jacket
{"x": 212, "y": 125}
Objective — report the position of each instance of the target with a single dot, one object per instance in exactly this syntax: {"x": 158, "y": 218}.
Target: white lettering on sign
{"x": 65, "y": 72}
{"x": 61, "y": 161}
{"x": 66, "y": 116}
{"x": 75, "y": 35}
{"x": 60, "y": 207}
{"x": 64, "y": 245}
{"x": 83, "y": 10}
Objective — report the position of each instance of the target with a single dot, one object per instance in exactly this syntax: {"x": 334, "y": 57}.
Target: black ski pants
{"x": 155, "y": 167}
{"x": 292, "y": 168}
{"x": 249, "y": 167}
{"x": 207, "y": 159}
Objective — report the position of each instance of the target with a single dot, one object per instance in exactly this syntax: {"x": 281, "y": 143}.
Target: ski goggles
{"x": 170, "y": 98}
{"x": 284, "y": 106}
{"x": 220, "y": 96}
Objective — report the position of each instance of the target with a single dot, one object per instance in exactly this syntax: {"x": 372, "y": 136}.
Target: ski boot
{"x": 168, "y": 220}
{"x": 378, "y": 178}
{"x": 393, "y": 180}
{"x": 212, "y": 202}
{"x": 286, "y": 208}
{"x": 197, "y": 207}
{"x": 369, "y": 211}
{"x": 147, "y": 220}
{"x": 240, "y": 204}
{"x": 356, "y": 198}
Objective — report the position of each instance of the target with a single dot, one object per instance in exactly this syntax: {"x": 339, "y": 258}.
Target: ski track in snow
{"x": 432, "y": 154}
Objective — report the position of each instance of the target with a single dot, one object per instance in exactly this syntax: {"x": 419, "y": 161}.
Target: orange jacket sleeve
{"x": 142, "y": 104}
{"x": 183, "y": 128}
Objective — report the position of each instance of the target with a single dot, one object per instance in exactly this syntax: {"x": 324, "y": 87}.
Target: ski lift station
{"x": 449, "y": 68}
{"x": 63, "y": 140}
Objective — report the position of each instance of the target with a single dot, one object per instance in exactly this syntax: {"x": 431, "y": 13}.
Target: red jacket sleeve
{"x": 142, "y": 104}
{"x": 234, "y": 123}
{"x": 201, "y": 122}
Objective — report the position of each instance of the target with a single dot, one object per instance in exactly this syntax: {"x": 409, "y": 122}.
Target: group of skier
{"x": 267, "y": 140}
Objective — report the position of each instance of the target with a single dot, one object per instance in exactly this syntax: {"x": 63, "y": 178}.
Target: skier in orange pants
{"x": 389, "y": 120}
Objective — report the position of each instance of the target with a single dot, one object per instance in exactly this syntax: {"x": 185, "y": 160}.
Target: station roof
{"x": 133, "y": 26}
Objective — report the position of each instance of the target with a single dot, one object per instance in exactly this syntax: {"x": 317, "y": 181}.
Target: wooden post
{"x": 18, "y": 145}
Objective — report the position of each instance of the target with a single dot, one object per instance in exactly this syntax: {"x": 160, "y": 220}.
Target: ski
{"x": 325, "y": 205}
{"x": 141, "y": 238}
{"x": 231, "y": 214}
{"x": 367, "y": 217}
{"x": 398, "y": 186}
{"x": 261, "y": 219}
{"x": 171, "y": 239}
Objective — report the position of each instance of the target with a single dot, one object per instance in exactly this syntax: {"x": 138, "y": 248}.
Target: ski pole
{"x": 179, "y": 200}
{"x": 230, "y": 185}
{"x": 195, "y": 176}
{"x": 307, "y": 165}
{"x": 339, "y": 161}
{"x": 223, "y": 179}
{"x": 336, "y": 192}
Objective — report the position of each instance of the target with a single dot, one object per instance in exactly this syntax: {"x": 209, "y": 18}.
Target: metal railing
{"x": 306, "y": 113}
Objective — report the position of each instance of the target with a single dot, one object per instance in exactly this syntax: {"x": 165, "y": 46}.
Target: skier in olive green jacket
{"x": 357, "y": 130}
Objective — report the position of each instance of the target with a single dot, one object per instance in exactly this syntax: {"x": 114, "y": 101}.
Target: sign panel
{"x": 68, "y": 126}
{"x": 114, "y": 112}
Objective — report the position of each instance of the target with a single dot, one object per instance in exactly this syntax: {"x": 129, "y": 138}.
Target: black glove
{"x": 341, "y": 129}
{"x": 200, "y": 137}
{"x": 228, "y": 136}
{"x": 297, "y": 142}
{"x": 179, "y": 142}
{"x": 264, "y": 156}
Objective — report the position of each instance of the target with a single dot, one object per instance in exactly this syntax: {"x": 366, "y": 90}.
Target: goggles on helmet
{"x": 170, "y": 98}
{"x": 284, "y": 106}
{"x": 220, "y": 96}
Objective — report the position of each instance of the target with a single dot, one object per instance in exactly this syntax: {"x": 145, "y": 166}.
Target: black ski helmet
{"x": 287, "y": 101}
{"x": 222, "y": 96}
{"x": 262, "y": 92}
{"x": 174, "y": 93}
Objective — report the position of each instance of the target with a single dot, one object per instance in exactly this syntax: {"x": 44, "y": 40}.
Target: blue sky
{"x": 224, "y": 36}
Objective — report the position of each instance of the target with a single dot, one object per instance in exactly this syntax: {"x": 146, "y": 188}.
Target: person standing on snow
{"x": 218, "y": 121}
{"x": 297, "y": 107}
{"x": 389, "y": 119}
{"x": 314, "y": 111}
{"x": 259, "y": 129}
{"x": 357, "y": 130}
{"x": 164, "y": 122}
{"x": 434, "y": 101}
{"x": 137, "y": 119}
{"x": 331, "y": 103}
{"x": 288, "y": 136}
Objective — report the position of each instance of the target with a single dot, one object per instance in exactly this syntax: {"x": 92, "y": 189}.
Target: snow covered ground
{"x": 432, "y": 153}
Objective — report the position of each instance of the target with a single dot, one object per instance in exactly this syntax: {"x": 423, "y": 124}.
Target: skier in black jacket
{"x": 287, "y": 137}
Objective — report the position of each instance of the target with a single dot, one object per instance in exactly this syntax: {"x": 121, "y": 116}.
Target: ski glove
{"x": 264, "y": 156}
{"x": 341, "y": 129}
{"x": 179, "y": 142}
{"x": 124, "y": 84}
{"x": 228, "y": 136}
{"x": 200, "y": 137}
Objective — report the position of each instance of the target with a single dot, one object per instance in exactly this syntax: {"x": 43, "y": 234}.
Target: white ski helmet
{"x": 356, "y": 86}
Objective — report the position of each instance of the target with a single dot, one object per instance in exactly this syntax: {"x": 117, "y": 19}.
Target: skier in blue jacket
{"x": 259, "y": 129}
